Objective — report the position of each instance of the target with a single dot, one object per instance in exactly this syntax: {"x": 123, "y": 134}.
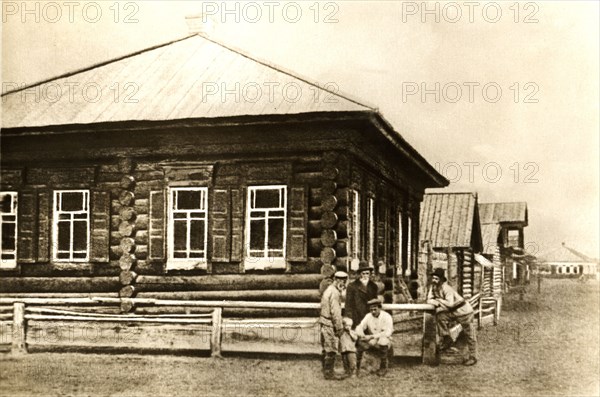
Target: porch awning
{"x": 483, "y": 261}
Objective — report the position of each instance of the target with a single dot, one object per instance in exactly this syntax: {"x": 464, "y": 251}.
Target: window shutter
{"x": 100, "y": 235}
{"x": 156, "y": 226}
{"x": 381, "y": 233}
{"x": 296, "y": 237}
{"x": 27, "y": 227}
{"x": 43, "y": 249}
{"x": 219, "y": 218}
{"x": 237, "y": 225}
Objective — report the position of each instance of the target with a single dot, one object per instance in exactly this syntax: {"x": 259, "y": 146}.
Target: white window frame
{"x": 409, "y": 247}
{"x": 252, "y": 261}
{"x": 400, "y": 246}
{"x": 188, "y": 262}
{"x": 355, "y": 226}
{"x": 57, "y": 200}
{"x": 370, "y": 230}
{"x": 8, "y": 263}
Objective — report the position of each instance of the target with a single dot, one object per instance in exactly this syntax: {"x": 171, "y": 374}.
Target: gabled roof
{"x": 565, "y": 254}
{"x": 194, "y": 77}
{"x": 450, "y": 220}
{"x": 503, "y": 212}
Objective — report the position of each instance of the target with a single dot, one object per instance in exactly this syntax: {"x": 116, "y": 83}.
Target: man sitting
{"x": 375, "y": 334}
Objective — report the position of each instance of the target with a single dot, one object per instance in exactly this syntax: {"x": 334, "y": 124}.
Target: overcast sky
{"x": 516, "y": 118}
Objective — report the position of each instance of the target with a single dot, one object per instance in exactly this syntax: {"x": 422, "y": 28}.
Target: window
{"x": 371, "y": 229}
{"x": 71, "y": 225}
{"x": 266, "y": 226}
{"x": 188, "y": 216}
{"x": 513, "y": 238}
{"x": 8, "y": 232}
{"x": 355, "y": 225}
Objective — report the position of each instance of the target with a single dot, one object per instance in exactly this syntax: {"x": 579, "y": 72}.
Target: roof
{"x": 194, "y": 77}
{"x": 503, "y": 212}
{"x": 565, "y": 254}
{"x": 450, "y": 220}
{"x": 489, "y": 236}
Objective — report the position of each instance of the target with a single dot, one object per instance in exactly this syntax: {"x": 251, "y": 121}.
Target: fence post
{"x": 480, "y": 314}
{"x": 18, "y": 329}
{"x": 429, "y": 339}
{"x": 216, "y": 333}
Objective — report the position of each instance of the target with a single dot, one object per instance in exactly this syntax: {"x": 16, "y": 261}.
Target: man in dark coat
{"x": 359, "y": 293}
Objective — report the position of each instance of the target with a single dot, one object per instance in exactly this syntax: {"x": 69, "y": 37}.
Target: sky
{"x": 501, "y": 97}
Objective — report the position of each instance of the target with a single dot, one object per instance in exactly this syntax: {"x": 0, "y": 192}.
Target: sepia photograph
{"x": 300, "y": 198}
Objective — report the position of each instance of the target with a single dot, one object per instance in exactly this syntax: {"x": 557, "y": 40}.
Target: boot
{"x": 383, "y": 366}
{"x": 346, "y": 363}
{"x": 329, "y": 372}
{"x": 352, "y": 371}
{"x": 446, "y": 343}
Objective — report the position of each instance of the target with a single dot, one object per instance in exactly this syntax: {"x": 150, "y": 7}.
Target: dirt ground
{"x": 546, "y": 345}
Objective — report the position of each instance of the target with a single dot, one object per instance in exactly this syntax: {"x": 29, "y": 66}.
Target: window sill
{"x": 7, "y": 264}
{"x": 185, "y": 264}
{"x": 264, "y": 263}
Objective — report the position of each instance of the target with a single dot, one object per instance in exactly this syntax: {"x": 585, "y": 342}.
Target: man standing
{"x": 332, "y": 326}
{"x": 360, "y": 291}
{"x": 375, "y": 334}
{"x": 451, "y": 306}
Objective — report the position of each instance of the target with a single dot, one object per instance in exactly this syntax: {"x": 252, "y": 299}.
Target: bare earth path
{"x": 547, "y": 344}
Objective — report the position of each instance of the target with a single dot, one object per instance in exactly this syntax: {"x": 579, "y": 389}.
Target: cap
{"x": 374, "y": 301}
{"x": 340, "y": 274}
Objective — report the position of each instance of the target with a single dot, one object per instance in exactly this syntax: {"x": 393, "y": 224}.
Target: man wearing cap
{"x": 360, "y": 291}
{"x": 451, "y": 306}
{"x": 375, "y": 334}
{"x": 332, "y": 326}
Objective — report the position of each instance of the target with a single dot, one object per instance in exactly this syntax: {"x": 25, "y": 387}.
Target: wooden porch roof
{"x": 451, "y": 220}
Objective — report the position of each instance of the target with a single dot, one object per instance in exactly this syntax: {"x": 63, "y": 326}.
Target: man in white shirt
{"x": 375, "y": 334}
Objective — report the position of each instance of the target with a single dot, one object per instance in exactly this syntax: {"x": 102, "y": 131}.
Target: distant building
{"x": 502, "y": 227}
{"x": 569, "y": 262}
{"x": 450, "y": 225}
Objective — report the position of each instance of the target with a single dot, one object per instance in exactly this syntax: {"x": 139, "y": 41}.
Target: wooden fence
{"x": 38, "y": 323}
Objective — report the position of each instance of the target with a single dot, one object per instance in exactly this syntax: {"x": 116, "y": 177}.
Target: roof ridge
{"x": 95, "y": 65}
{"x": 286, "y": 72}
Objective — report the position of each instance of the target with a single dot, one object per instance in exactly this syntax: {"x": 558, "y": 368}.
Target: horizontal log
{"x": 327, "y": 255}
{"x": 329, "y": 203}
{"x": 328, "y": 219}
{"x": 88, "y": 313}
{"x": 292, "y": 295}
{"x": 315, "y": 246}
{"x": 343, "y": 212}
{"x": 127, "y": 292}
{"x": 341, "y": 228}
{"x": 315, "y": 212}
{"x": 127, "y": 277}
{"x": 341, "y": 248}
{"x": 59, "y": 284}
{"x": 343, "y": 196}
{"x": 328, "y": 237}
{"x": 126, "y": 197}
{"x": 139, "y": 319}
{"x": 328, "y": 187}
{"x": 314, "y": 197}
{"x": 229, "y": 282}
{"x": 314, "y": 228}
{"x": 330, "y": 172}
